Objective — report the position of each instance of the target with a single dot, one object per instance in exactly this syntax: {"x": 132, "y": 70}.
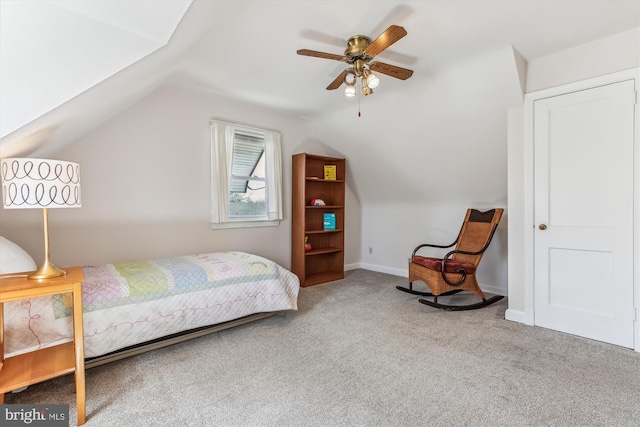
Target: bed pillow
{"x": 13, "y": 258}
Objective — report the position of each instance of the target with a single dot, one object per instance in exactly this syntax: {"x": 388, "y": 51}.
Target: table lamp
{"x": 40, "y": 183}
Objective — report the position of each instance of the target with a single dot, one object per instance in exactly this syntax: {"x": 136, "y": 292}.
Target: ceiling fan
{"x": 359, "y": 55}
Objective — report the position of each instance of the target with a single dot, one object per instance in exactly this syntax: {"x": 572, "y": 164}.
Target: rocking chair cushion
{"x": 436, "y": 264}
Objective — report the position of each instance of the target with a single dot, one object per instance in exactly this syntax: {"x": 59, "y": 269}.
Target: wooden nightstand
{"x": 29, "y": 368}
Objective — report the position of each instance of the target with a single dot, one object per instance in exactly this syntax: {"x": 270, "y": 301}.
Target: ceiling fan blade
{"x": 316, "y": 54}
{"x": 386, "y": 39}
{"x": 338, "y": 81}
{"x": 391, "y": 70}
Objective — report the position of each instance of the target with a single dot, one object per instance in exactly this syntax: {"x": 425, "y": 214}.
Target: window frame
{"x": 222, "y": 147}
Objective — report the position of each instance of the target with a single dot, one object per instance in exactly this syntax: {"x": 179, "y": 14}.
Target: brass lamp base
{"x": 46, "y": 271}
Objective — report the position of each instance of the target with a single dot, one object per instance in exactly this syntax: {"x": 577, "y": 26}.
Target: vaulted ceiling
{"x": 67, "y": 66}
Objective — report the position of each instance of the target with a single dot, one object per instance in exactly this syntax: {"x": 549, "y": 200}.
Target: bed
{"x": 132, "y": 307}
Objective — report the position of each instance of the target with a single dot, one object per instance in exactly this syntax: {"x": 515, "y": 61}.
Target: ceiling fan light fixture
{"x": 350, "y": 91}
{"x": 366, "y": 90}
{"x": 372, "y": 80}
{"x": 349, "y": 77}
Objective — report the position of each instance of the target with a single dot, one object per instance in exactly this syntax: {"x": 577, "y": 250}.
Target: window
{"x": 246, "y": 176}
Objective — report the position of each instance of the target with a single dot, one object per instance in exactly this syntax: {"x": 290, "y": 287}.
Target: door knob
{"x": 542, "y": 227}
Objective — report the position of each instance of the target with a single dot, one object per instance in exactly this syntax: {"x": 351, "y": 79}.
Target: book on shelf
{"x": 329, "y": 221}
{"x": 330, "y": 172}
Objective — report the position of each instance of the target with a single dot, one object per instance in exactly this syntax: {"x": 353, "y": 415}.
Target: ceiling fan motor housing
{"x": 356, "y": 46}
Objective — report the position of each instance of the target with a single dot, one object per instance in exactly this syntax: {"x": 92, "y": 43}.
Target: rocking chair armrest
{"x": 431, "y": 246}
{"x": 437, "y": 246}
{"x": 457, "y": 251}
{"x": 460, "y": 270}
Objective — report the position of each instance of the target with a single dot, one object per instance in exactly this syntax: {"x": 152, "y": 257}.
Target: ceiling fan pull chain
{"x": 359, "y": 98}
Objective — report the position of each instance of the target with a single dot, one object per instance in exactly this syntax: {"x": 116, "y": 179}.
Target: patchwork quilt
{"x": 130, "y": 303}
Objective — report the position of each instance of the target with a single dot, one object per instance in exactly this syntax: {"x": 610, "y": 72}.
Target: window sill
{"x": 245, "y": 224}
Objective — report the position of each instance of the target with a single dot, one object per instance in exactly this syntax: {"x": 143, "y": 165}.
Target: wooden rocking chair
{"x": 456, "y": 272}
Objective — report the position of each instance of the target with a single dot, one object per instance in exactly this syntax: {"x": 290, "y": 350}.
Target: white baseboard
{"x": 519, "y": 316}
{"x": 492, "y": 289}
{"x": 349, "y": 267}
{"x": 404, "y": 272}
{"x": 384, "y": 269}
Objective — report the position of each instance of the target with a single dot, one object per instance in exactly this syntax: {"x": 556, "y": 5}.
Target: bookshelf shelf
{"x": 333, "y": 181}
{"x": 337, "y": 230}
{"x": 322, "y": 251}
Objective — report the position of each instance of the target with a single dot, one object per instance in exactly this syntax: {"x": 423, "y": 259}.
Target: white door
{"x": 583, "y": 190}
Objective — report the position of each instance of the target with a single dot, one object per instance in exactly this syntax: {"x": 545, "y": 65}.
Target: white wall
{"x": 604, "y": 56}
{"x": 607, "y": 55}
{"x": 516, "y": 192}
{"x": 146, "y": 186}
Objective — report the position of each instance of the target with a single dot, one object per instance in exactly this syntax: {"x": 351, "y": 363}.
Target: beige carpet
{"x": 361, "y": 353}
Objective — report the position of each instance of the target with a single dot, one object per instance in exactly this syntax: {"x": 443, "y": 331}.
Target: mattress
{"x": 130, "y": 303}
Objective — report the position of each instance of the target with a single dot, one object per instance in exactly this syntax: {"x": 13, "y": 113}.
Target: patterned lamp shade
{"x": 39, "y": 183}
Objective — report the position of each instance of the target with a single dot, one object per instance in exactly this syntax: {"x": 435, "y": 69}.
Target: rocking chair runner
{"x": 456, "y": 272}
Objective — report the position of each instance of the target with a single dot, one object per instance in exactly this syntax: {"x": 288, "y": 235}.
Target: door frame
{"x": 528, "y": 213}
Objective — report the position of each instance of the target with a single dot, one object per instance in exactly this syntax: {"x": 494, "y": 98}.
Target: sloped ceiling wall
{"x": 46, "y": 63}
{"x": 66, "y": 66}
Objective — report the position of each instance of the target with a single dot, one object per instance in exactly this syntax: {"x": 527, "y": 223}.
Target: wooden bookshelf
{"x": 325, "y": 261}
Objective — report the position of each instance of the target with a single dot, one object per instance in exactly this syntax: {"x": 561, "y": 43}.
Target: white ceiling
{"x": 247, "y": 50}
